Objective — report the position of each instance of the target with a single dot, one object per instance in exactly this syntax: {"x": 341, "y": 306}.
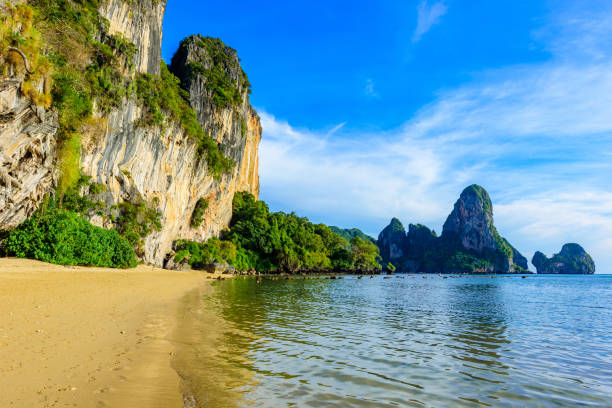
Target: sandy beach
{"x": 89, "y": 337}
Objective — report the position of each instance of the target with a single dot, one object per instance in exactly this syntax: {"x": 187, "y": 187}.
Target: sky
{"x": 381, "y": 109}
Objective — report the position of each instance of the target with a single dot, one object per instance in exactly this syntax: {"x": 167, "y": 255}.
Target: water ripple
{"x": 434, "y": 342}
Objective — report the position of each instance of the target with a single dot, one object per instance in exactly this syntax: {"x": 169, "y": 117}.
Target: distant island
{"x": 469, "y": 243}
{"x": 572, "y": 260}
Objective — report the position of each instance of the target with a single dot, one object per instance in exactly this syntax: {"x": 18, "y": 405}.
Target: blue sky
{"x": 378, "y": 109}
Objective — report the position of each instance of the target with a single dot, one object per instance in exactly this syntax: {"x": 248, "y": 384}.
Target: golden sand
{"x": 89, "y": 337}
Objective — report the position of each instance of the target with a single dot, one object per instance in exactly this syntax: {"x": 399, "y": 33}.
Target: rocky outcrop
{"x": 27, "y": 153}
{"x": 469, "y": 242}
{"x": 420, "y": 238}
{"x": 471, "y": 221}
{"x": 392, "y": 242}
{"x": 470, "y": 228}
{"x": 572, "y": 259}
{"x": 233, "y": 124}
{"x": 518, "y": 258}
{"x": 140, "y": 22}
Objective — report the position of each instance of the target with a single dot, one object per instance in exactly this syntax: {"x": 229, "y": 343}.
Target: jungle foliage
{"x": 276, "y": 241}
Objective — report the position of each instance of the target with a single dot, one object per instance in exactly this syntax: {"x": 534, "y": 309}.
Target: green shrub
{"x": 198, "y": 212}
{"x": 63, "y": 237}
{"x": 200, "y": 254}
{"x": 136, "y": 220}
{"x": 83, "y": 204}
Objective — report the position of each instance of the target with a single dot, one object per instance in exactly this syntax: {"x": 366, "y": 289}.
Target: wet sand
{"x": 90, "y": 337}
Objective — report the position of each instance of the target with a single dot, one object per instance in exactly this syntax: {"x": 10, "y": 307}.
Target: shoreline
{"x": 79, "y": 336}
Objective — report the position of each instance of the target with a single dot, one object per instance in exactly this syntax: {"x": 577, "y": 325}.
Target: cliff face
{"x": 420, "y": 240}
{"x": 391, "y": 242}
{"x": 27, "y": 153}
{"x": 469, "y": 242}
{"x": 470, "y": 227}
{"x": 158, "y": 164}
{"x": 235, "y": 126}
{"x": 471, "y": 221}
{"x": 28, "y": 147}
{"x": 140, "y": 22}
{"x": 572, "y": 259}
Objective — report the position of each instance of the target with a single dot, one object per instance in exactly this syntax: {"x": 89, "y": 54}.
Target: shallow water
{"x": 424, "y": 341}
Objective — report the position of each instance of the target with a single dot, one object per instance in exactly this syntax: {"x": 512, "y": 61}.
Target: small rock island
{"x": 572, "y": 260}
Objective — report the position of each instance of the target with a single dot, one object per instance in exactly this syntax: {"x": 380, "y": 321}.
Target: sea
{"x": 398, "y": 341}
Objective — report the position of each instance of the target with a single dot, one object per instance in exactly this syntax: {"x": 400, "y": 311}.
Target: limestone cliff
{"x": 572, "y": 259}
{"x": 141, "y": 23}
{"x": 392, "y": 242}
{"x": 471, "y": 221}
{"x": 470, "y": 227}
{"x": 27, "y": 138}
{"x": 27, "y": 153}
{"x": 159, "y": 164}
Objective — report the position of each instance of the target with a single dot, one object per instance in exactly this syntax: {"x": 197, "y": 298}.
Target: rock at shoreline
{"x": 572, "y": 259}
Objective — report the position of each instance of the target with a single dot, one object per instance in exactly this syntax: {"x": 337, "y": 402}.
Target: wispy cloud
{"x": 336, "y": 128}
{"x": 428, "y": 15}
{"x": 369, "y": 88}
{"x": 538, "y": 137}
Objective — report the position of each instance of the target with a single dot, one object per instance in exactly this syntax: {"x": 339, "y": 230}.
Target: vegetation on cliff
{"x": 198, "y": 212}
{"x": 217, "y": 64}
{"x": 85, "y": 66}
{"x": 75, "y": 66}
{"x": 265, "y": 241}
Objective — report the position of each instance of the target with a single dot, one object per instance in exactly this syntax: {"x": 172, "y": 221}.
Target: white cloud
{"x": 544, "y": 222}
{"x": 427, "y": 17}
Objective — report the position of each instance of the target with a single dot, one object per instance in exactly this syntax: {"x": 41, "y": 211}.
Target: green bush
{"x": 198, "y": 212}
{"x": 63, "y": 237}
{"x": 136, "y": 220}
{"x": 200, "y": 254}
{"x": 83, "y": 204}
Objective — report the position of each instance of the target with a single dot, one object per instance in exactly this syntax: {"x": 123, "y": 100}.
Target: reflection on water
{"x": 407, "y": 341}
